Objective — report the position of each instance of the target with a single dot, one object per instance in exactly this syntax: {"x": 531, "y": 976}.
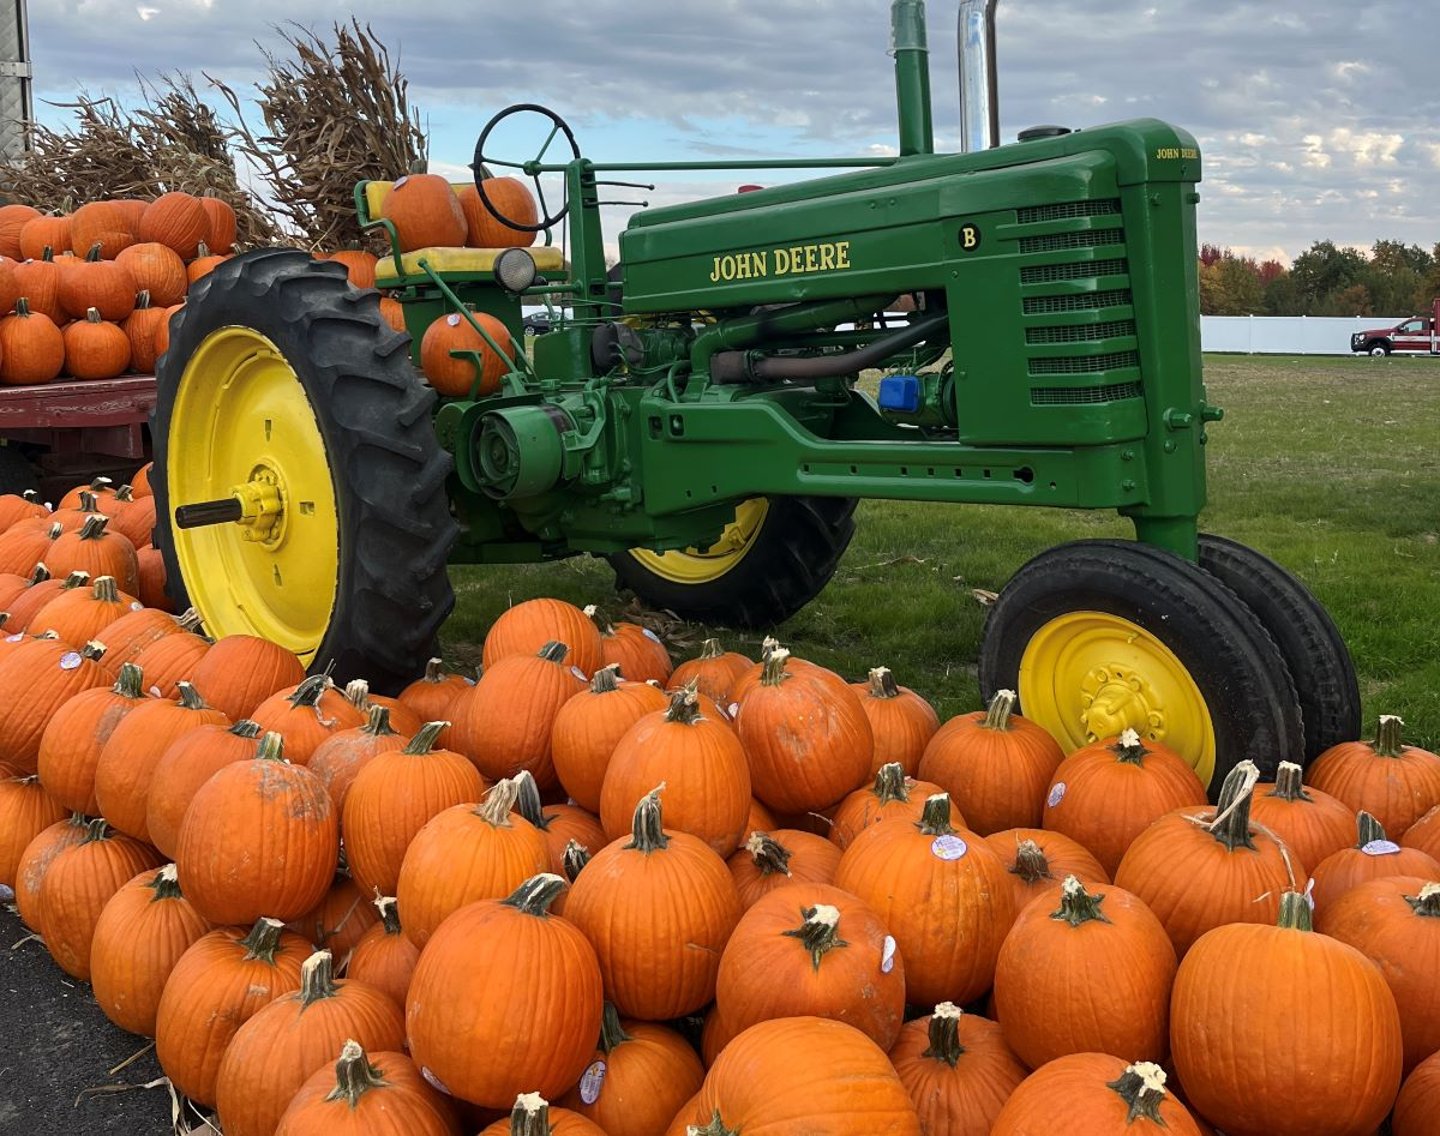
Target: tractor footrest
{"x": 461, "y": 263}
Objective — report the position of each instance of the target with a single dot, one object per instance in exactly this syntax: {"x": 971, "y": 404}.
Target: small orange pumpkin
{"x": 220, "y": 235}
{"x": 140, "y": 327}
{"x": 45, "y": 233}
{"x": 457, "y": 377}
{"x": 359, "y": 264}
{"x": 12, "y": 220}
{"x": 205, "y": 262}
{"x": 1394, "y": 782}
{"x": 32, "y": 348}
{"x": 103, "y": 285}
{"x": 38, "y": 281}
{"x": 715, "y": 670}
{"x": 771, "y": 860}
{"x": 95, "y": 348}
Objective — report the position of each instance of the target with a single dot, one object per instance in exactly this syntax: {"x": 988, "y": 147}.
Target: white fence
{"x": 1286, "y": 335}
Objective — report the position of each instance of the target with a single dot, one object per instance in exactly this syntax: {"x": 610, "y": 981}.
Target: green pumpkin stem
{"x": 770, "y": 856}
{"x": 96, "y": 828}
{"x": 424, "y": 740}
{"x": 646, "y": 833}
{"x": 716, "y": 1127}
{"x": 1129, "y": 749}
{"x": 271, "y": 747}
{"x": 190, "y": 698}
{"x": 882, "y": 683}
{"x": 1231, "y": 826}
{"x": 77, "y": 579}
{"x": 499, "y": 801}
{"x": 944, "y": 1033}
{"x": 935, "y": 817}
{"x": 92, "y": 255}
{"x": 1368, "y": 828}
{"x": 94, "y": 526}
{"x": 142, "y": 300}
{"x": 39, "y": 574}
{"x": 997, "y": 714}
{"x": 1387, "y": 741}
{"x": 1289, "y": 783}
{"x": 130, "y": 683}
{"x": 612, "y": 1033}
{"x": 1031, "y": 863}
{"x": 820, "y": 932}
{"x": 1142, "y": 1087}
{"x": 710, "y": 649}
{"x": 606, "y": 680}
{"x": 536, "y": 894}
{"x": 1295, "y": 913}
{"x": 245, "y": 728}
{"x": 317, "y": 979}
{"x": 165, "y": 884}
{"x": 553, "y": 651}
{"x": 772, "y": 670}
{"x": 93, "y": 650}
{"x": 379, "y": 724}
{"x": 263, "y": 940}
{"x": 88, "y": 501}
{"x": 890, "y": 784}
{"x": 1077, "y": 905}
{"x": 530, "y": 1116}
{"x": 310, "y": 691}
{"x": 1427, "y": 903}
{"x": 389, "y": 914}
{"x": 684, "y": 706}
{"x": 574, "y": 858}
{"x": 527, "y": 800}
{"x": 22, "y": 307}
{"x": 354, "y": 1075}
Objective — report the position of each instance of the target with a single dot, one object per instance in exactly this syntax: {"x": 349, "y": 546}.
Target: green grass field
{"x": 1331, "y": 466}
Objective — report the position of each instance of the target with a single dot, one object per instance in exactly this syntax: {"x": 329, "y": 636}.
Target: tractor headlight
{"x": 515, "y": 270}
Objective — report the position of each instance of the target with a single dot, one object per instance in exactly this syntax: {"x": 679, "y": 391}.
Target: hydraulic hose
{"x": 739, "y": 367}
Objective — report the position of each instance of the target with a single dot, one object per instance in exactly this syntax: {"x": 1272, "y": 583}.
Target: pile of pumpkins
{"x": 595, "y": 893}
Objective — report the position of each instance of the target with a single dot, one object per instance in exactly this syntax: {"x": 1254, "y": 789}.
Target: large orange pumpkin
{"x": 93, "y": 549}
{"x": 38, "y": 282}
{"x": 80, "y": 614}
{"x": 1393, "y": 782}
{"x": 1373, "y": 856}
{"x": 27, "y": 809}
{"x": 1339, "y": 1069}
{"x": 101, "y": 224}
{"x": 187, "y": 763}
{"x": 220, "y": 235}
{"x": 359, "y": 265}
{"x": 1102, "y": 1094}
{"x": 337, "y": 761}
{"x": 239, "y": 672}
{"x": 589, "y": 725}
{"x": 637, "y": 651}
{"x": 32, "y": 347}
{"x": 45, "y": 235}
{"x": 1038, "y": 862}
{"x": 511, "y": 198}
{"x": 75, "y": 736}
{"x": 36, "y": 679}
{"x": 526, "y": 627}
{"x": 957, "y": 1069}
{"x": 1311, "y": 824}
{"x": 1424, "y": 834}
{"x": 1419, "y": 1102}
{"x": 714, "y": 671}
{"x": 156, "y": 269}
{"x": 140, "y": 327}
{"x": 486, "y": 1041}
{"x": 176, "y": 220}
{"x": 903, "y": 723}
{"x": 126, "y": 638}
{"x": 35, "y": 863}
{"x": 365, "y": 1094}
{"x": 893, "y": 796}
{"x": 12, "y": 220}
{"x": 459, "y": 376}
{"x": 433, "y": 695}
{"x": 103, "y": 285}
{"x": 306, "y": 715}
{"x": 425, "y": 212}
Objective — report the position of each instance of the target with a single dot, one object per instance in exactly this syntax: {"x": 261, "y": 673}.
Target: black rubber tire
{"x": 374, "y": 414}
{"x": 1223, "y": 645}
{"x": 1313, "y": 647}
{"x": 794, "y": 554}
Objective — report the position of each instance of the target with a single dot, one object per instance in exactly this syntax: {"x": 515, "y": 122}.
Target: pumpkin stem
{"x": 1290, "y": 783}
{"x": 820, "y": 932}
{"x": 310, "y": 691}
{"x": 997, "y": 714}
{"x": 612, "y": 1033}
{"x": 716, "y": 1127}
{"x": 1427, "y": 903}
{"x": 104, "y": 590}
{"x": 435, "y": 670}
{"x": 646, "y": 834}
{"x": 770, "y": 856}
{"x": 379, "y": 724}
{"x": 22, "y": 308}
{"x": 527, "y": 799}
{"x": 1142, "y": 1087}
{"x": 39, "y": 574}
{"x": 271, "y": 747}
{"x": 945, "y": 1035}
{"x": 1231, "y": 826}
{"x": 189, "y": 620}
{"x": 772, "y": 670}
{"x": 890, "y": 784}
{"x": 574, "y": 858}
{"x": 536, "y": 894}
{"x": 317, "y": 979}
{"x": 882, "y": 683}
{"x": 94, "y": 526}
{"x": 1387, "y": 741}
{"x": 1129, "y": 749}
{"x": 684, "y": 706}
{"x": 96, "y": 828}
{"x": 190, "y": 698}
{"x": 357, "y": 693}
{"x": 93, "y": 650}
{"x": 77, "y": 579}
{"x": 263, "y": 940}
{"x": 935, "y": 817}
{"x": 424, "y": 739}
{"x": 554, "y": 651}
{"x": 92, "y": 315}
{"x": 606, "y": 679}
{"x": 88, "y": 502}
{"x": 710, "y": 649}
{"x": 1031, "y": 863}
{"x": 530, "y": 1116}
{"x": 495, "y": 808}
{"x": 389, "y": 913}
{"x": 130, "y": 683}
{"x": 1077, "y": 905}
{"x": 1368, "y": 829}
{"x": 354, "y": 1075}
{"x": 142, "y": 299}
{"x": 165, "y": 883}
{"x": 93, "y": 254}
{"x": 1295, "y": 913}
{"x": 245, "y": 728}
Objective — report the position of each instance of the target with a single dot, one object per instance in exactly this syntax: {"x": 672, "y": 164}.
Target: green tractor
{"x": 696, "y": 417}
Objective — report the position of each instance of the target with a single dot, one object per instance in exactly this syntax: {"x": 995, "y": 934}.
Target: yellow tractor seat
{"x": 457, "y": 262}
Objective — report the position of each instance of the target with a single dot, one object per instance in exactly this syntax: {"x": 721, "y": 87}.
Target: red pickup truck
{"x": 1418, "y": 333}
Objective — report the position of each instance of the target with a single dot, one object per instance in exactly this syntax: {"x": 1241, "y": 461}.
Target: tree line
{"x": 1393, "y": 279}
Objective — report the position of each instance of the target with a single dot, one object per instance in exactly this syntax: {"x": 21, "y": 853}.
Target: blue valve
{"x": 901, "y": 393}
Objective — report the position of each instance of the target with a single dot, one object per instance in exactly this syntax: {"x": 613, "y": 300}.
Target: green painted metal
{"x": 1055, "y": 331}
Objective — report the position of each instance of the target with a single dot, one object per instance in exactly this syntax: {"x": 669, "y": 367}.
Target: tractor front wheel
{"x": 773, "y": 559}
{"x": 289, "y": 407}
{"x": 1100, "y": 636}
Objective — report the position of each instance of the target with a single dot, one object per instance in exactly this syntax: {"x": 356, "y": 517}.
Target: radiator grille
{"x": 1076, "y": 270}
{"x": 1080, "y": 333}
{"x": 1056, "y": 242}
{"x": 1033, "y": 214}
{"x": 1084, "y": 302}
{"x": 1082, "y": 396}
{"x": 1084, "y": 364}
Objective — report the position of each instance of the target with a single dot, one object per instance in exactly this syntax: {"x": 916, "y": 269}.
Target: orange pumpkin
{"x": 44, "y": 589}
{"x": 176, "y": 220}
{"x": 186, "y": 764}
{"x": 239, "y": 672}
{"x": 392, "y": 311}
{"x": 365, "y": 1093}
{"x": 714, "y": 671}
{"x": 38, "y": 282}
{"x": 12, "y": 220}
{"x": 533, "y": 1116}
{"x": 171, "y": 660}
{"x": 524, "y": 628}
{"x": 204, "y": 263}
{"x": 1393, "y": 782}
{"x": 140, "y": 328}
{"x": 561, "y": 825}
{"x": 35, "y": 862}
{"x": 433, "y": 695}
{"x": 16, "y": 507}
{"x": 94, "y": 348}
{"x": 459, "y": 376}
{"x": 140, "y": 483}
{"x": 1103, "y": 1094}
{"x": 359, "y": 265}
{"x": 1424, "y": 834}
{"x": 1038, "y": 862}
{"x": 79, "y": 614}
{"x": 32, "y": 348}
{"x": 339, "y": 921}
{"x": 9, "y": 287}
{"x": 27, "y": 808}
{"x": 157, "y": 269}
{"x": 100, "y": 224}
{"x": 132, "y": 519}
{"x": 425, "y": 212}
{"x": 385, "y": 957}
{"x": 772, "y": 860}
{"x": 23, "y": 551}
{"x": 94, "y": 549}
{"x": 337, "y": 760}
{"x": 588, "y": 726}
{"x": 902, "y": 722}
{"x": 103, "y": 285}
{"x": 957, "y": 1069}
{"x": 306, "y": 715}
{"x": 636, "y": 650}
{"x": 151, "y": 565}
{"x": 129, "y": 635}
{"x": 893, "y": 796}
{"x": 130, "y": 210}
{"x": 220, "y": 234}
{"x": 1373, "y": 856}
{"x": 45, "y": 233}
{"x": 511, "y": 198}
{"x": 36, "y": 679}
{"x": 1419, "y": 1102}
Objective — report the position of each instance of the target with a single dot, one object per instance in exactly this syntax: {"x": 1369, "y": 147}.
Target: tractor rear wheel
{"x": 1102, "y": 635}
{"x": 285, "y": 391}
{"x": 773, "y": 559}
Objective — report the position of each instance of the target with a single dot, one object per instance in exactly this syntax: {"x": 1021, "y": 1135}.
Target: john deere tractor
{"x": 696, "y": 416}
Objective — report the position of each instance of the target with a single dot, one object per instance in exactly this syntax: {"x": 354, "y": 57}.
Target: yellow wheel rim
{"x": 700, "y": 566}
{"x": 1087, "y": 675}
{"x": 242, "y": 425}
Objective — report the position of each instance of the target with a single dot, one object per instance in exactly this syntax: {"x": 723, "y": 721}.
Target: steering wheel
{"x": 558, "y": 126}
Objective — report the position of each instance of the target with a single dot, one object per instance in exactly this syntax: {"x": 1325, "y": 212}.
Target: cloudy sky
{"x": 1318, "y": 119}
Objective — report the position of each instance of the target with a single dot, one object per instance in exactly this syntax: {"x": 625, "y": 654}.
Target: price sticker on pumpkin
{"x": 70, "y": 660}
{"x": 651, "y": 635}
{"x": 578, "y": 673}
{"x": 948, "y": 847}
{"x": 435, "y": 1081}
{"x": 1380, "y": 848}
{"x": 887, "y": 955}
{"x": 592, "y": 1081}
{"x": 1057, "y": 794}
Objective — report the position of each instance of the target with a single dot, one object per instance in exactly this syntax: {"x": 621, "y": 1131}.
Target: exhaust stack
{"x": 912, "y": 76}
{"x": 979, "y": 83}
